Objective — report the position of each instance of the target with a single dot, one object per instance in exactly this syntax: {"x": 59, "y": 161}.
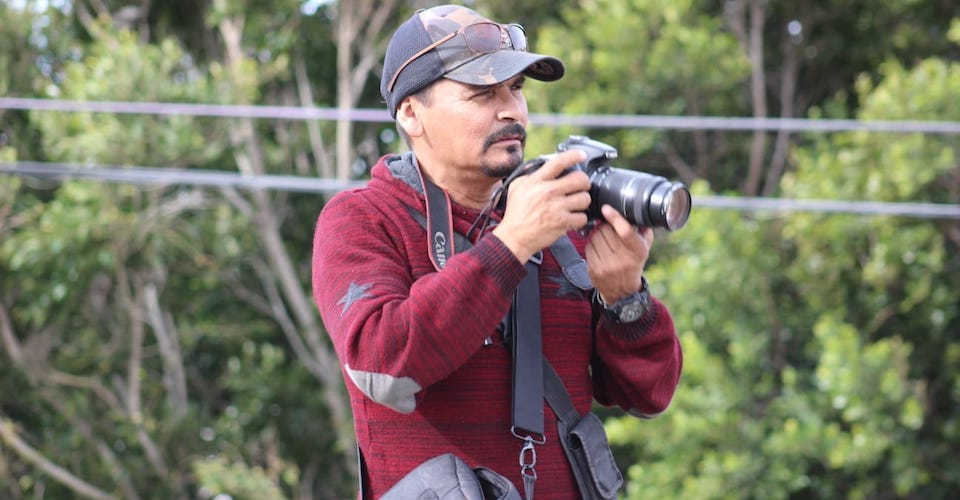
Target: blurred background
{"x": 162, "y": 164}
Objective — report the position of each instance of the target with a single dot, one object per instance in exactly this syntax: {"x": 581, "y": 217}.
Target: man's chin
{"x": 503, "y": 168}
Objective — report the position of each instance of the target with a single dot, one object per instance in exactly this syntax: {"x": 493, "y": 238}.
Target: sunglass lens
{"x": 482, "y": 37}
{"x": 517, "y": 37}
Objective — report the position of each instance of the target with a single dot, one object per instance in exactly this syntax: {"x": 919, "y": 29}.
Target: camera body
{"x": 643, "y": 199}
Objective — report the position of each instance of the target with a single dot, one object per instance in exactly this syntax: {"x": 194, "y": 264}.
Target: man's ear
{"x": 408, "y": 116}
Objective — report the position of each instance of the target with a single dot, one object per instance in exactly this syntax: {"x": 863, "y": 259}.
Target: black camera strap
{"x": 440, "y": 240}
{"x": 443, "y": 241}
{"x": 532, "y": 373}
{"x": 527, "y": 395}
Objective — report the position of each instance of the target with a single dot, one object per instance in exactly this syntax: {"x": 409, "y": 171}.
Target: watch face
{"x": 632, "y": 312}
{"x": 627, "y": 309}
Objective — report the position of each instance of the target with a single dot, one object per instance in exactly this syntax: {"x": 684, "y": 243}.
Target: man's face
{"x": 478, "y": 128}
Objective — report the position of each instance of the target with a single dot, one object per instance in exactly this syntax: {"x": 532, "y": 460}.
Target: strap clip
{"x": 528, "y": 458}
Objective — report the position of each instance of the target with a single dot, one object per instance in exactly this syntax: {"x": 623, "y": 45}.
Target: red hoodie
{"x": 411, "y": 340}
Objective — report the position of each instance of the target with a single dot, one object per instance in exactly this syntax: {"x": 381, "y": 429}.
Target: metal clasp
{"x": 528, "y": 437}
{"x": 528, "y": 457}
{"x": 537, "y": 258}
{"x": 528, "y": 460}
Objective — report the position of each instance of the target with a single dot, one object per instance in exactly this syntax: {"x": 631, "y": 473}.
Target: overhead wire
{"x": 152, "y": 176}
{"x": 161, "y": 176}
{"x": 141, "y": 175}
{"x": 550, "y": 119}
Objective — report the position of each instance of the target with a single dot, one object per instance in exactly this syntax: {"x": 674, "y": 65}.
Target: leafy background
{"x": 161, "y": 342}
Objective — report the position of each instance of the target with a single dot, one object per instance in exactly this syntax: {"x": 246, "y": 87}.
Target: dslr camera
{"x": 643, "y": 199}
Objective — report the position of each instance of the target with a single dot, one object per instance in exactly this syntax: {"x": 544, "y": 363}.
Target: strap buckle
{"x": 528, "y": 459}
{"x": 536, "y": 258}
{"x": 530, "y": 437}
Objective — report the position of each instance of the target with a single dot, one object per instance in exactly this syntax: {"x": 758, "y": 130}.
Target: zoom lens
{"x": 643, "y": 199}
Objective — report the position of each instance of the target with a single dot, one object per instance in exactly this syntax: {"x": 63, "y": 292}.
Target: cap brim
{"x": 499, "y": 66}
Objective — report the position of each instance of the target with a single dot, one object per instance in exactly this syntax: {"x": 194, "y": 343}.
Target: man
{"x": 425, "y": 365}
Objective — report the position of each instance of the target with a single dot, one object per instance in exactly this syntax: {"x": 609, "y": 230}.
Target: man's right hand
{"x": 544, "y": 205}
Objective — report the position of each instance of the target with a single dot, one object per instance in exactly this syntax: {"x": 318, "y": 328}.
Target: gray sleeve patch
{"x": 646, "y": 416}
{"x": 354, "y": 293}
{"x": 392, "y": 392}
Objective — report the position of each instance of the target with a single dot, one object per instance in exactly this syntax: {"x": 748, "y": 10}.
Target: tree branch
{"x": 251, "y": 159}
{"x": 788, "y": 90}
{"x": 116, "y": 469}
{"x": 174, "y": 377}
{"x": 279, "y": 313}
{"x": 10, "y": 342}
{"x": 320, "y": 155}
{"x": 759, "y": 97}
{"x": 89, "y": 383}
{"x": 678, "y": 164}
{"x": 9, "y": 436}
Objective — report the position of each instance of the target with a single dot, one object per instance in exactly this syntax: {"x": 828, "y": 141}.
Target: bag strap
{"x": 526, "y": 340}
{"x": 534, "y": 379}
{"x": 557, "y": 396}
{"x": 573, "y": 265}
{"x": 527, "y": 355}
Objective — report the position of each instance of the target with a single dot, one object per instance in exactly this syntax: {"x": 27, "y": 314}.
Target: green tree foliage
{"x": 820, "y": 349}
{"x": 140, "y": 325}
{"x": 694, "y": 58}
{"x": 638, "y": 57}
{"x": 159, "y": 341}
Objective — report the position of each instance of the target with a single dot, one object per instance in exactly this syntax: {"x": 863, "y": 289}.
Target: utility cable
{"x": 548, "y": 119}
{"x": 214, "y": 178}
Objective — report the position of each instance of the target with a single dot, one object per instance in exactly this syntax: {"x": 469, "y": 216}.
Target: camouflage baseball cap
{"x": 440, "y": 42}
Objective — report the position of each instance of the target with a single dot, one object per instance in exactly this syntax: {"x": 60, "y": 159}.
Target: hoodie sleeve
{"x": 398, "y": 325}
{"x": 637, "y": 366}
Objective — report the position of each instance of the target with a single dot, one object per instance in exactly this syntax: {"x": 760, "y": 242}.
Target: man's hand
{"x": 543, "y": 205}
{"x": 616, "y": 255}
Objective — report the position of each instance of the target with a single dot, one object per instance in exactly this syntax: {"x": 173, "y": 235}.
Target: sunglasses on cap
{"x": 480, "y": 38}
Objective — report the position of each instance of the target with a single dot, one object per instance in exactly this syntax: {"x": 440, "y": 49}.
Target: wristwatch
{"x": 628, "y": 309}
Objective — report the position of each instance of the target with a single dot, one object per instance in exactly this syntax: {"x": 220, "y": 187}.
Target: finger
{"x": 636, "y": 239}
{"x": 647, "y": 234}
{"x": 605, "y": 239}
{"x": 620, "y": 224}
{"x": 578, "y": 201}
{"x": 577, "y": 220}
{"x": 559, "y": 162}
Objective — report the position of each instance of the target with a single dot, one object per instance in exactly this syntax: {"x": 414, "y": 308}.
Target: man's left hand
{"x": 616, "y": 255}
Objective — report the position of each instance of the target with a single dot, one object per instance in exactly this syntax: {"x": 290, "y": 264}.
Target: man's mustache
{"x": 512, "y": 131}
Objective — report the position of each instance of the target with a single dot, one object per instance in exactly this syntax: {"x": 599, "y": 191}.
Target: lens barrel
{"x": 643, "y": 199}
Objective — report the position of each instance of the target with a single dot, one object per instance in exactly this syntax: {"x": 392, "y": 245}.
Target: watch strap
{"x": 629, "y": 308}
